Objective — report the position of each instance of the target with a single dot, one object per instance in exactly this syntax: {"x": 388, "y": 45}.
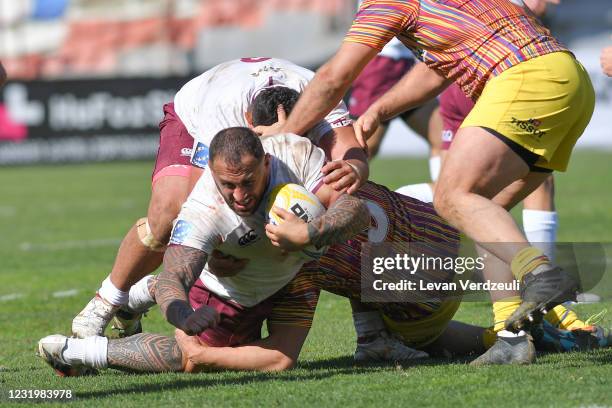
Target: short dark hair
{"x": 233, "y": 144}
{"x": 263, "y": 108}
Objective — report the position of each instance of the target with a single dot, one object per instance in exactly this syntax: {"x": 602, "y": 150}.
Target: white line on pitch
{"x": 65, "y": 293}
{"x": 58, "y": 246}
{"x": 11, "y": 296}
{"x": 7, "y": 211}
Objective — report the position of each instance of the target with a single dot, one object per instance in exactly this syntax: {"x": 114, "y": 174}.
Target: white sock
{"x": 541, "y": 230}
{"x": 367, "y": 323}
{"x": 434, "y": 167}
{"x": 91, "y": 352}
{"x": 111, "y": 294}
{"x": 506, "y": 333}
{"x": 140, "y": 297}
{"x": 421, "y": 192}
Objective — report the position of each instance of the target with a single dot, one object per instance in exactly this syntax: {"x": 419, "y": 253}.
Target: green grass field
{"x": 60, "y": 227}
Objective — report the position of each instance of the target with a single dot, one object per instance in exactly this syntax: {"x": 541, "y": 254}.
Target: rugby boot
{"x": 94, "y": 318}
{"x": 51, "y": 349}
{"x": 508, "y": 350}
{"x": 386, "y": 348}
{"x": 550, "y": 338}
{"x": 540, "y": 293}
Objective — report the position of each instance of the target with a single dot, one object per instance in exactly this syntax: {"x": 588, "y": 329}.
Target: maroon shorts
{"x": 175, "y": 144}
{"x": 454, "y": 107}
{"x": 293, "y": 305}
{"x": 376, "y": 79}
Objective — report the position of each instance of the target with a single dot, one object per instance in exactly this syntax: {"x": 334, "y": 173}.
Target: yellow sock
{"x": 489, "y": 337}
{"x": 527, "y": 260}
{"x": 502, "y": 309}
{"x": 564, "y": 318}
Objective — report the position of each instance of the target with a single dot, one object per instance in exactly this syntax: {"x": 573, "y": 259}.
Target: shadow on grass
{"x": 345, "y": 362}
{"x": 315, "y": 370}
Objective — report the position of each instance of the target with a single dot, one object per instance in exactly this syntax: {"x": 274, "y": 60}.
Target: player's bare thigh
{"x": 478, "y": 162}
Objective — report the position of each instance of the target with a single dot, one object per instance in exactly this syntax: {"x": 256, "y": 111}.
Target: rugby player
{"x": 519, "y": 131}
{"x": 384, "y": 71}
{"x": 221, "y": 97}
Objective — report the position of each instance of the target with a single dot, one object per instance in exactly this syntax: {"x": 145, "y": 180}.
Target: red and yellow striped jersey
{"x": 469, "y": 41}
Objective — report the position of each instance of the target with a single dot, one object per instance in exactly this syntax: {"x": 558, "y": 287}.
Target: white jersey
{"x": 220, "y": 97}
{"x": 206, "y": 222}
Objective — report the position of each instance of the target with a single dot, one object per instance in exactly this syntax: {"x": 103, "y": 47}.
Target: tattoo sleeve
{"x": 182, "y": 267}
{"x": 145, "y": 353}
{"x": 345, "y": 218}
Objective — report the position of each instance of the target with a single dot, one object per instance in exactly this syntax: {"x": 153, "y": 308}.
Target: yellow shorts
{"x": 543, "y": 104}
{"x": 424, "y": 331}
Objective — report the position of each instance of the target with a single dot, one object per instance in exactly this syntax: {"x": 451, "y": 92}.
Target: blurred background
{"x": 87, "y": 78}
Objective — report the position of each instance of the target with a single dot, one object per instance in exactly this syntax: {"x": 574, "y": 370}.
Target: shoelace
{"x": 596, "y": 318}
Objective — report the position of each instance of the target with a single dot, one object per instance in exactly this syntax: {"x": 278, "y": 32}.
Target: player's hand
{"x": 606, "y": 61}
{"x": 342, "y": 176}
{"x": 275, "y": 128}
{"x": 291, "y": 234}
{"x": 223, "y": 266}
{"x": 199, "y": 320}
{"x": 365, "y": 127}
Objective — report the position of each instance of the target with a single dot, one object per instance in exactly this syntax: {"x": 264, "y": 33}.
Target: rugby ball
{"x": 301, "y": 202}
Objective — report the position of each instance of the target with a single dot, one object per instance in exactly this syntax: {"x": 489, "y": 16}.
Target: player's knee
{"x": 160, "y": 215}
{"x": 147, "y": 238}
{"x": 442, "y": 201}
{"x": 283, "y": 363}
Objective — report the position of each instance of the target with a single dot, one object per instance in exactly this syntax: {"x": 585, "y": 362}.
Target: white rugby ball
{"x": 302, "y": 203}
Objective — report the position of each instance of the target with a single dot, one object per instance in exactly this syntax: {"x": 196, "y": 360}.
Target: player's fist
{"x": 199, "y": 320}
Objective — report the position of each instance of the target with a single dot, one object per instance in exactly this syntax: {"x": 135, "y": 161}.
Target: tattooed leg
{"x": 145, "y": 353}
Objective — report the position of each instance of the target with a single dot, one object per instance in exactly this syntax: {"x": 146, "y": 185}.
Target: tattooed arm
{"x": 346, "y": 217}
{"x": 182, "y": 267}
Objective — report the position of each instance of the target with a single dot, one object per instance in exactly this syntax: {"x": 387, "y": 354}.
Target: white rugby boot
{"x": 386, "y": 348}
{"x": 51, "y": 349}
{"x": 94, "y": 318}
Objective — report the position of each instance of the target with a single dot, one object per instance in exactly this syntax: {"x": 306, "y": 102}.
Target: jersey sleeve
{"x": 198, "y": 223}
{"x": 378, "y": 21}
{"x": 193, "y": 230}
{"x": 308, "y": 159}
